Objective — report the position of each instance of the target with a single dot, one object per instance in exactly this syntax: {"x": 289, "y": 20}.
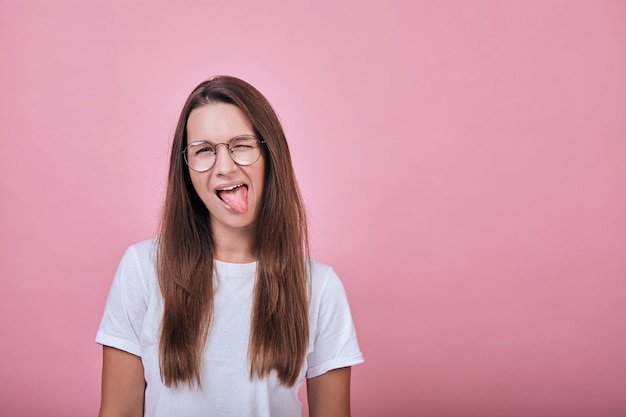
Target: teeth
{"x": 230, "y": 188}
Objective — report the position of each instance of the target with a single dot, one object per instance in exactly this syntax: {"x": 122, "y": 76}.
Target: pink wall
{"x": 464, "y": 163}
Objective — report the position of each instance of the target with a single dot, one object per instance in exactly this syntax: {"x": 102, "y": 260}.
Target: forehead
{"x": 217, "y": 123}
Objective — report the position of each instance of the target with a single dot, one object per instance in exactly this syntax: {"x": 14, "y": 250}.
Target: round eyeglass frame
{"x": 230, "y": 151}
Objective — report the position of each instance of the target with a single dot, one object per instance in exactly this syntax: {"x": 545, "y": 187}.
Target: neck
{"x": 234, "y": 245}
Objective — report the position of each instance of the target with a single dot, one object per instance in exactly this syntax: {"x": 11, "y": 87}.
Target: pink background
{"x": 464, "y": 165}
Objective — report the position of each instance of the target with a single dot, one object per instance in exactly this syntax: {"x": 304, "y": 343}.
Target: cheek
{"x": 196, "y": 182}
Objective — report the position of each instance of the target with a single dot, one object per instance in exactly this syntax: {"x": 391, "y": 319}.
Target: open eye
{"x": 201, "y": 149}
{"x": 204, "y": 149}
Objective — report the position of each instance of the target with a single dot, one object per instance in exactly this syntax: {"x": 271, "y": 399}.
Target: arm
{"x": 329, "y": 394}
{"x": 123, "y": 384}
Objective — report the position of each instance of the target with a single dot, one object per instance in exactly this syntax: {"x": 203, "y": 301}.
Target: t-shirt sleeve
{"x": 125, "y": 307}
{"x": 335, "y": 343}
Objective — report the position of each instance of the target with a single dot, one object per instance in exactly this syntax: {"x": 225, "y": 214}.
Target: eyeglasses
{"x": 244, "y": 150}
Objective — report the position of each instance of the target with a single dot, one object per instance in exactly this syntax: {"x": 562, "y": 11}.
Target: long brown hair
{"x": 279, "y": 323}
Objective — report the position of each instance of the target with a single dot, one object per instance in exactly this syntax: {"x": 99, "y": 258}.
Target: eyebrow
{"x": 227, "y": 141}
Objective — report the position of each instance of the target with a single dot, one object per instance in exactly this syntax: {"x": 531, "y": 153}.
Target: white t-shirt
{"x": 131, "y": 322}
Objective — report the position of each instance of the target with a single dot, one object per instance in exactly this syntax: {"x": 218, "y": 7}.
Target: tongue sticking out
{"x": 237, "y": 199}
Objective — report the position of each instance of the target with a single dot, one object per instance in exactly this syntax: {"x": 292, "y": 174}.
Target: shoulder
{"x": 325, "y": 282}
{"x": 319, "y": 269}
{"x": 145, "y": 249}
{"x": 141, "y": 254}
{"x": 137, "y": 268}
{"x": 321, "y": 274}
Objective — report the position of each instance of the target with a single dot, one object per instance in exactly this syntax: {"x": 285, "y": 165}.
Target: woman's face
{"x": 232, "y": 193}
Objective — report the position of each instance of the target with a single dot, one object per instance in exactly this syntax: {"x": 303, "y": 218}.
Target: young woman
{"x": 224, "y": 313}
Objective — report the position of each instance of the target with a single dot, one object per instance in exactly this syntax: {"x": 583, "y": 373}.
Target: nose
{"x": 224, "y": 164}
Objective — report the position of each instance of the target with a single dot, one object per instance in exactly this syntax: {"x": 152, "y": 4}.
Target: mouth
{"x": 231, "y": 188}
{"x": 235, "y": 197}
